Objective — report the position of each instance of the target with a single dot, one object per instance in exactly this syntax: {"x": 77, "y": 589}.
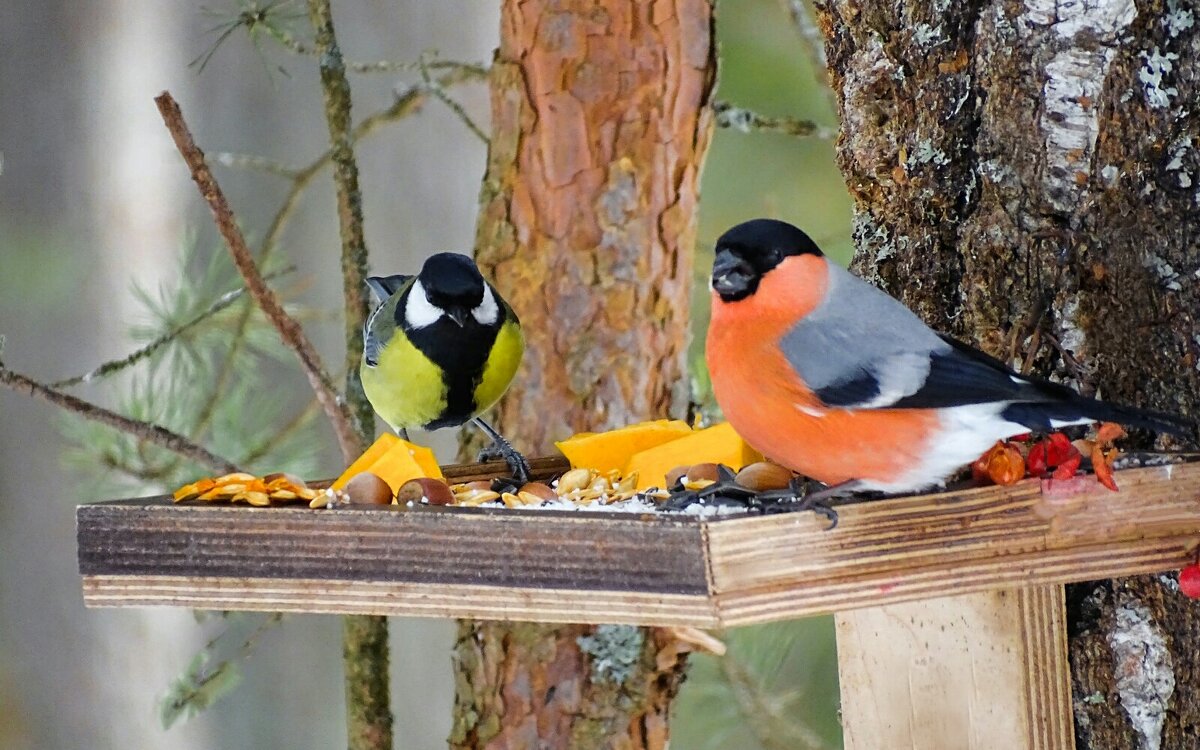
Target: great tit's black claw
{"x": 501, "y": 448}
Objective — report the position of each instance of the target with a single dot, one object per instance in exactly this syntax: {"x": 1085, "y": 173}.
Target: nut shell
{"x": 675, "y": 475}
{"x": 763, "y": 476}
{"x": 539, "y": 490}
{"x": 703, "y": 472}
{"x": 425, "y": 489}
{"x": 368, "y": 489}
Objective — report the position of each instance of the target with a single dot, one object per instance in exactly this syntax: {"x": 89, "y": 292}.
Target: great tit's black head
{"x": 750, "y": 250}
{"x": 452, "y": 284}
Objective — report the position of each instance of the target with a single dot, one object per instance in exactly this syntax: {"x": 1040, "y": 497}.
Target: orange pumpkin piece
{"x": 382, "y": 445}
{"x": 612, "y": 450}
{"x": 400, "y": 462}
{"x": 718, "y": 445}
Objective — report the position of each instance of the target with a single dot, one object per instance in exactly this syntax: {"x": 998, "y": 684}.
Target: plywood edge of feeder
{"x": 617, "y": 567}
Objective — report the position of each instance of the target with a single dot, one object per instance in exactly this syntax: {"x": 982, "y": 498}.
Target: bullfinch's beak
{"x": 731, "y": 275}
{"x": 458, "y": 315}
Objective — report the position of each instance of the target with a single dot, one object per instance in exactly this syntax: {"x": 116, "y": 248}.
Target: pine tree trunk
{"x": 1026, "y": 177}
{"x": 588, "y": 210}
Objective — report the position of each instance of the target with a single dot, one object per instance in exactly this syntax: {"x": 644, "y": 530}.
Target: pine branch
{"x": 291, "y": 427}
{"x": 116, "y": 365}
{"x": 147, "y": 431}
{"x": 202, "y": 685}
{"x": 773, "y": 730}
{"x": 745, "y": 121}
{"x": 289, "y": 330}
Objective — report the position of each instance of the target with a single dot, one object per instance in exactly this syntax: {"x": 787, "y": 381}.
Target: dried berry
{"x": 1005, "y": 465}
{"x": 1189, "y": 581}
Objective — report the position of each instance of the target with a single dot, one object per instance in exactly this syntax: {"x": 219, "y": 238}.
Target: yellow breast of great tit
{"x": 501, "y": 364}
{"x": 405, "y": 387}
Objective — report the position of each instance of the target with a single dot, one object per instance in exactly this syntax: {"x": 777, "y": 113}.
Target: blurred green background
{"x": 93, "y": 200}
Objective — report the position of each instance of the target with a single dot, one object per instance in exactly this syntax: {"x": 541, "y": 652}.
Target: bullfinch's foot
{"x": 502, "y": 449}
{"x": 797, "y": 497}
{"x": 727, "y": 492}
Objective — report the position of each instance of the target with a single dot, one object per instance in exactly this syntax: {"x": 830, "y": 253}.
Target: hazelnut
{"x": 425, "y": 490}
{"x": 368, "y": 489}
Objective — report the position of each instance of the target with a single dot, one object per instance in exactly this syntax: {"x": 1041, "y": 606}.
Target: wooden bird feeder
{"x": 949, "y": 606}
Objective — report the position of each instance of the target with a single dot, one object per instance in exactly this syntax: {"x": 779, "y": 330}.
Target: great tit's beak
{"x": 458, "y": 315}
{"x": 731, "y": 276}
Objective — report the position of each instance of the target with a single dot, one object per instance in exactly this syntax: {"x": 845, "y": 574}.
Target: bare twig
{"x": 745, "y": 121}
{"x": 257, "y": 163}
{"x": 116, "y": 365}
{"x": 289, "y": 330}
{"x": 435, "y": 89}
{"x": 336, "y": 90}
{"x": 292, "y": 44}
{"x": 807, "y": 26}
{"x": 148, "y": 431}
{"x": 364, "y": 638}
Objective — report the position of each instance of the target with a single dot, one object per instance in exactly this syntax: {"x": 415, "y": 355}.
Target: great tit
{"x": 831, "y": 377}
{"x": 440, "y": 349}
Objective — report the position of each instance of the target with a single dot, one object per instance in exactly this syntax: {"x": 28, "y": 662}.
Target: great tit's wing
{"x": 381, "y": 324}
{"x": 385, "y": 286}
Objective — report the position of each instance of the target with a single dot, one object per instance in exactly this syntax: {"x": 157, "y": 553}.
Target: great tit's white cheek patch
{"x": 486, "y": 312}
{"x": 418, "y": 310}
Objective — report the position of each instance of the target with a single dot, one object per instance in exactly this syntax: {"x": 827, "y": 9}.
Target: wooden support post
{"x": 977, "y": 671}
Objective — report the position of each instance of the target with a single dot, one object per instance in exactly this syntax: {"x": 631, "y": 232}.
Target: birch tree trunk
{"x": 1026, "y": 176}
{"x": 588, "y": 212}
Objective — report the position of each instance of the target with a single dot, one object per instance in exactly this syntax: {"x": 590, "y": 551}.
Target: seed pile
{"x": 277, "y": 489}
{"x": 704, "y": 483}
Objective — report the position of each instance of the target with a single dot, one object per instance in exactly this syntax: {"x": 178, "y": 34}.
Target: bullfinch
{"x": 440, "y": 348}
{"x": 831, "y": 377}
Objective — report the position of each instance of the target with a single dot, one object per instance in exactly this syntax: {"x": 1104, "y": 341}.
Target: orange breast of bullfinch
{"x": 771, "y": 407}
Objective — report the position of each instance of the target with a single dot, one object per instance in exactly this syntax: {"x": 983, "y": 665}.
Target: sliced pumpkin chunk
{"x": 718, "y": 445}
{"x": 426, "y": 460}
{"x": 382, "y": 445}
{"x": 606, "y": 451}
{"x": 398, "y": 463}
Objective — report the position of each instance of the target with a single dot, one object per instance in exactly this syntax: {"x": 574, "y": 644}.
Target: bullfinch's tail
{"x": 1043, "y": 416}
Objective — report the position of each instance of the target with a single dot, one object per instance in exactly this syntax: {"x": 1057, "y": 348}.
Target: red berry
{"x": 1059, "y": 449}
{"x": 1189, "y": 581}
{"x": 1036, "y": 462}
